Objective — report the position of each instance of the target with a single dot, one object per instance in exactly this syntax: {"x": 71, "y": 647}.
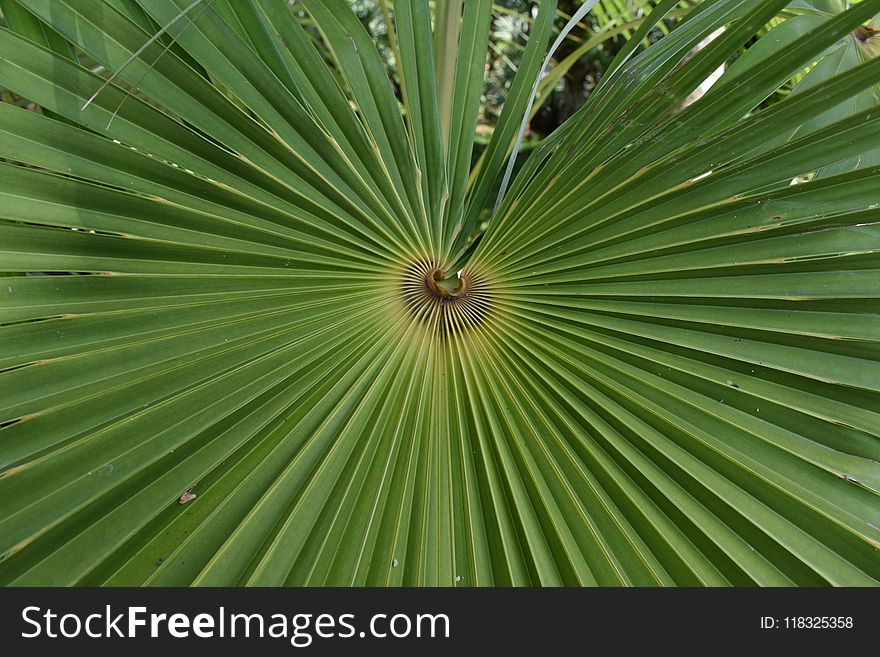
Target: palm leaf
{"x": 656, "y": 366}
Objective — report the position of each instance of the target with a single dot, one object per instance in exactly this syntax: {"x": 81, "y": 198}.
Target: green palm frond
{"x": 269, "y": 343}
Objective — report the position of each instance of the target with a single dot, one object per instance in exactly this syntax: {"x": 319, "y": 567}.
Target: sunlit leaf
{"x": 245, "y": 338}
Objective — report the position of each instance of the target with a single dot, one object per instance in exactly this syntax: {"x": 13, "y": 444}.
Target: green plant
{"x": 656, "y": 364}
